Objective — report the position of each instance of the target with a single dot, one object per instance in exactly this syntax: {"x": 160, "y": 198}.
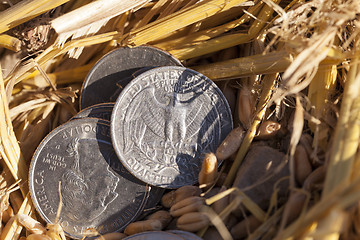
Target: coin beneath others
{"x": 114, "y": 71}
{"x": 97, "y": 191}
{"x": 164, "y": 120}
{"x": 154, "y": 235}
{"x": 185, "y": 235}
{"x": 101, "y": 110}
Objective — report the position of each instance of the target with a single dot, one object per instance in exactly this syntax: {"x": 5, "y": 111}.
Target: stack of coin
{"x": 114, "y": 160}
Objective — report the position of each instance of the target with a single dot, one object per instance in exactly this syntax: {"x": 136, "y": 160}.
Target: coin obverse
{"x": 114, "y": 71}
{"x": 97, "y": 191}
{"x": 164, "y": 120}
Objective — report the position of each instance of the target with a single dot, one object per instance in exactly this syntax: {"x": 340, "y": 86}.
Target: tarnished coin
{"x": 154, "y": 235}
{"x": 185, "y": 235}
{"x": 114, "y": 71}
{"x": 101, "y": 110}
{"x": 97, "y": 191}
{"x": 164, "y": 120}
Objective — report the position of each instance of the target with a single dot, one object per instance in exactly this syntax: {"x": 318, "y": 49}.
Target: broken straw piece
{"x": 87, "y": 20}
{"x": 31, "y": 224}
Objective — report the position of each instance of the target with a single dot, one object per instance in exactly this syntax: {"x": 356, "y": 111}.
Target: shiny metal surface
{"x": 115, "y": 70}
{"x": 164, "y": 120}
{"x": 97, "y": 191}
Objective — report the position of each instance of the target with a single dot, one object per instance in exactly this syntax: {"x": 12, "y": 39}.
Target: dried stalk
{"x": 231, "y": 207}
{"x": 209, "y": 33}
{"x": 15, "y": 229}
{"x": 268, "y": 63}
{"x": 31, "y": 134}
{"x": 340, "y": 198}
{"x": 9, "y": 148}
{"x": 54, "y": 51}
{"x": 267, "y": 225}
{"x": 297, "y": 126}
{"x": 246, "y": 66}
{"x": 217, "y": 222}
{"x": 229, "y": 15}
{"x": 330, "y": 227}
{"x": 75, "y": 4}
{"x": 87, "y": 20}
{"x": 245, "y": 200}
{"x": 180, "y": 19}
{"x": 24, "y": 11}
{"x": 10, "y": 42}
{"x": 319, "y": 92}
{"x": 153, "y": 11}
{"x": 29, "y": 105}
{"x": 347, "y": 134}
{"x": 269, "y": 83}
{"x": 171, "y": 7}
{"x": 75, "y": 75}
{"x": 226, "y": 41}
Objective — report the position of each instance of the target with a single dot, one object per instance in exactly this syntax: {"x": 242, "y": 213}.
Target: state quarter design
{"x": 89, "y": 187}
{"x": 97, "y": 191}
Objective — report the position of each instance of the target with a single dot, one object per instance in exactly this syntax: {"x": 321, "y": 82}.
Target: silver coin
{"x": 102, "y": 111}
{"x": 97, "y": 191}
{"x": 186, "y": 235}
{"x": 164, "y": 120}
{"x": 154, "y": 235}
{"x": 115, "y": 70}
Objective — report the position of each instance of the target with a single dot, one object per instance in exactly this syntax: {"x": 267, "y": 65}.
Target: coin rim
{"x": 184, "y": 234}
{"x": 32, "y": 166}
{"x": 114, "y": 123}
{"x": 150, "y": 232}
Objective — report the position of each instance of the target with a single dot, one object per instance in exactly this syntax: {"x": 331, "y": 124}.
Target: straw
{"x": 24, "y": 11}
{"x": 246, "y": 66}
{"x": 9, "y": 148}
{"x": 178, "y": 20}
{"x": 10, "y": 42}
{"x": 16, "y": 227}
{"x": 269, "y": 83}
{"x": 347, "y": 134}
{"x": 226, "y": 41}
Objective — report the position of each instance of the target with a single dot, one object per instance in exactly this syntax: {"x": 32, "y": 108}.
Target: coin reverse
{"x": 164, "y": 120}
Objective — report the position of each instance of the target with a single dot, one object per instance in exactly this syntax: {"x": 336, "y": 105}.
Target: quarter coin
{"x": 97, "y": 191}
{"x": 164, "y": 120}
{"x": 154, "y": 235}
{"x": 114, "y": 71}
{"x": 186, "y": 235}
